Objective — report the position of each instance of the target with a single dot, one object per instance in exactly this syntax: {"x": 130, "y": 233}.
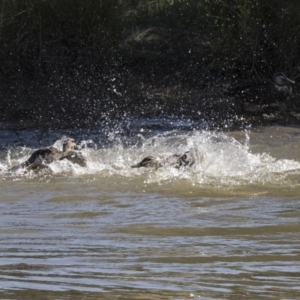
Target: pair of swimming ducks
{"x": 41, "y": 158}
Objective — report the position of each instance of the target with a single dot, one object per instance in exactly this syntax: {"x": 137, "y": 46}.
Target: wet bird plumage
{"x": 176, "y": 161}
{"x": 148, "y": 162}
{"x": 40, "y": 158}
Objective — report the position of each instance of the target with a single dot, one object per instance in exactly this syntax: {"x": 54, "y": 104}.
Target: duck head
{"x": 69, "y": 144}
{"x": 148, "y": 162}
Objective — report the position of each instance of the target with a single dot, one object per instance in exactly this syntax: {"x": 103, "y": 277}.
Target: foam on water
{"x": 219, "y": 159}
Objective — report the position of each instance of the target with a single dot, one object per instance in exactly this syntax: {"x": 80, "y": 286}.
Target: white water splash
{"x": 219, "y": 159}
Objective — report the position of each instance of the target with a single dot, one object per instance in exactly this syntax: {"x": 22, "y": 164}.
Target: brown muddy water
{"x": 225, "y": 228}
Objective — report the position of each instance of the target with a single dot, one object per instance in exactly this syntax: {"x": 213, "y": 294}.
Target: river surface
{"x": 225, "y": 228}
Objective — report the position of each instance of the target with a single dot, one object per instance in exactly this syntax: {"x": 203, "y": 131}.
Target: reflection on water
{"x": 226, "y": 228}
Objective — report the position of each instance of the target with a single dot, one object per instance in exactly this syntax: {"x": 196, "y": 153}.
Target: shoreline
{"x": 232, "y": 124}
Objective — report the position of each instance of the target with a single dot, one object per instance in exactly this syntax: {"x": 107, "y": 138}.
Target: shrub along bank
{"x": 75, "y": 60}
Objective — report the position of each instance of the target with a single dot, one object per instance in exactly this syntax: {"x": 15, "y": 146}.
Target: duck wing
{"x": 38, "y": 154}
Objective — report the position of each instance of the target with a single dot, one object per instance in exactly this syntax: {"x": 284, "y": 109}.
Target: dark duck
{"x": 40, "y": 158}
{"x": 282, "y": 83}
{"x": 176, "y": 161}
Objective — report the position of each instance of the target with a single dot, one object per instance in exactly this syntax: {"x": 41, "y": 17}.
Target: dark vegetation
{"x": 80, "y": 62}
